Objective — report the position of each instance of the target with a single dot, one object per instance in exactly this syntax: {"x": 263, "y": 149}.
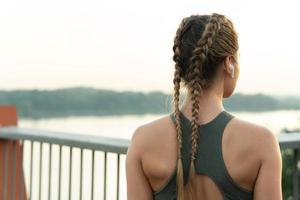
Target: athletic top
{"x": 209, "y": 160}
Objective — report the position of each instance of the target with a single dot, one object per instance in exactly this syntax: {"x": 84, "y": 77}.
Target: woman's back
{"x": 244, "y": 146}
{"x": 227, "y": 158}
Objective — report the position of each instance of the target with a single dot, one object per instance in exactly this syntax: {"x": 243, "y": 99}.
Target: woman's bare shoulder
{"x": 252, "y": 129}
{"x": 151, "y": 134}
{"x": 258, "y": 137}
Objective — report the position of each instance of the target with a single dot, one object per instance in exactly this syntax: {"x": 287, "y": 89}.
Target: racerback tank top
{"x": 209, "y": 160}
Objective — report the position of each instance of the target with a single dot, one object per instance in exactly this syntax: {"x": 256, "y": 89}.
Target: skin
{"x": 251, "y": 152}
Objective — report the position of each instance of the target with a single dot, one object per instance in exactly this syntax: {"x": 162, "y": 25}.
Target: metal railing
{"x": 40, "y": 176}
{"x": 292, "y": 141}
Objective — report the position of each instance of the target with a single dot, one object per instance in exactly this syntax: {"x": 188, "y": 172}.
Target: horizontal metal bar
{"x": 98, "y": 143}
{"x": 289, "y": 140}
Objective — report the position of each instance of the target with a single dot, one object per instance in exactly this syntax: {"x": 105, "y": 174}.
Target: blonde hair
{"x": 201, "y": 43}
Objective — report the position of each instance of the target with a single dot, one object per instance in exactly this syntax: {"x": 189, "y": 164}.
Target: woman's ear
{"x": 227, "y": 62}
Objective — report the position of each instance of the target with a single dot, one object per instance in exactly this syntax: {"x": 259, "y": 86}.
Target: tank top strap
{"x": 209, "y": 135}
{"x": 209, "y": 151}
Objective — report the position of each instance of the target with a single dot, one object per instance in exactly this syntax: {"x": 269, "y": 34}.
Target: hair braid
{"x": 197, "y": 54}
{"x": 176, "y": 81}
{"x": 197, "y": 82}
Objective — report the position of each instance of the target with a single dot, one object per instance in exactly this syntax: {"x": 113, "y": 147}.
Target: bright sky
{"x": 127, "y": 45}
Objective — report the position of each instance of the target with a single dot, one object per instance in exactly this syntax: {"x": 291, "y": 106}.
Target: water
{"x": 124, "y": 126}
{"x": 110, "y": 126}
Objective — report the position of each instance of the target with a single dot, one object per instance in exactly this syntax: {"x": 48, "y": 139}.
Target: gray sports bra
{"x": 209, "y": 159}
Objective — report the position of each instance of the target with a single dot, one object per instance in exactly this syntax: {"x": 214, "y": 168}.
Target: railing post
{"x": 12, "y": 184}
{"x": 296, "y": 175}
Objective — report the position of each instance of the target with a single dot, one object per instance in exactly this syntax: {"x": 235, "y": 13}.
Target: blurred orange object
{"x": 12, "y": 184}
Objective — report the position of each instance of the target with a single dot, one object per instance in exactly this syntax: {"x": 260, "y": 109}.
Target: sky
{"x": 127, "y": 45}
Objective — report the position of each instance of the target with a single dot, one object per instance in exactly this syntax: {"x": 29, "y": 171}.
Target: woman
{"x": 201, "y": 151}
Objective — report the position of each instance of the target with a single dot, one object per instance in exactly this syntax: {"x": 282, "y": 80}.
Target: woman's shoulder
{"x": 250, "y": 135}
{"x": 250, "y": 129}
{"x": 151, "y": 134}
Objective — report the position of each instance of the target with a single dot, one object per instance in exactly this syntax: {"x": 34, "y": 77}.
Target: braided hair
{"x": 201, "y": 43}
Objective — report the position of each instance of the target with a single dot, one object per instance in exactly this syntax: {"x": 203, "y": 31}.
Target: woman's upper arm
{"x": 138, "y": 187}
{"x": 268, "y": 183}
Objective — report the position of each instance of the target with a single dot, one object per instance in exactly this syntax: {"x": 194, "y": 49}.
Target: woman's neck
{"x": 210, "y": 104}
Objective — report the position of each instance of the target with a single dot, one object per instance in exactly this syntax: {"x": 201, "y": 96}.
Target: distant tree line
{"x": 89, "y": 101}
{"x": 261, "y": 102}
